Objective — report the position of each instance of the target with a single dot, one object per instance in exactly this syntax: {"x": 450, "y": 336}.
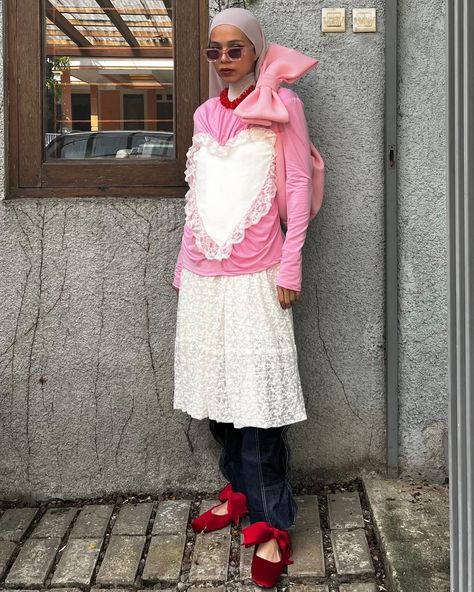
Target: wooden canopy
{"x": 109, "y": 28}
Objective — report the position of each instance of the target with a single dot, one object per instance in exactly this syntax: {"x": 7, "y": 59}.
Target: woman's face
{"x": 224, "y": 37}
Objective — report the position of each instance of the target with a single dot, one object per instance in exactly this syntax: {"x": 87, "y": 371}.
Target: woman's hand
{"x": 287, "y": 297}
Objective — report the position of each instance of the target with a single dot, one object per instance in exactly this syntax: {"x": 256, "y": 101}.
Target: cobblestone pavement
{"x": 131, "y": 545}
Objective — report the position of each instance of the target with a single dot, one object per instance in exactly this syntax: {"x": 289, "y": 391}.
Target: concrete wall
{"x": 423, "y": 240}
{"x": 87, "y": 322}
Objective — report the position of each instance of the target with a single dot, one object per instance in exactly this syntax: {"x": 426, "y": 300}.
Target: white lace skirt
{"x": 235, "y": 358}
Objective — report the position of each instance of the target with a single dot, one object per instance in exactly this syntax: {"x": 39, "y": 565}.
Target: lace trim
{"x": 260, "y": 205}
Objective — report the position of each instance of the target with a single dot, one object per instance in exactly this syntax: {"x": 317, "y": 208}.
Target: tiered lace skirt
{"x": 235, "y": 358}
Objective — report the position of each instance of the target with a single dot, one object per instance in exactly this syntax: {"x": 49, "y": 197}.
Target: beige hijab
{"x": 248, "y": 24}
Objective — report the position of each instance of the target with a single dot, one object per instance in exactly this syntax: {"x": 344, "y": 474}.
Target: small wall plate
{"x": 333, "y": 20}
{"x": 364, "y": 20}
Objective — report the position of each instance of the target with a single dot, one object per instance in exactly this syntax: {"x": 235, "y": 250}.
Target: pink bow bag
{"x": 263, "y": 106}
{"x": 317, "y": 185}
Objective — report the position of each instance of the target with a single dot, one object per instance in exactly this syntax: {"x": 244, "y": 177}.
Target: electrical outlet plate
{"x": 333, "y": 20}
{"x": 364, "y": 20}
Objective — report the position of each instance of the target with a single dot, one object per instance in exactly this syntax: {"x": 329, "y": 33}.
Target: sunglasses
{"x": 212, "y": 54}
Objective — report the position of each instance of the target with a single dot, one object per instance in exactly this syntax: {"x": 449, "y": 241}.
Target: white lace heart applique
{"x": 231, "y": 187}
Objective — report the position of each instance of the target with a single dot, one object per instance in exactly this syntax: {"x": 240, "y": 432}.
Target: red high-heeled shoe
{"x": 236, "y": 508}
{"x": 266, "y": 573}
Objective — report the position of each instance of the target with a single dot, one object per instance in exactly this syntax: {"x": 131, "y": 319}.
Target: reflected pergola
{"x": 110, "y": 44}
{"x": 75, "y": 26}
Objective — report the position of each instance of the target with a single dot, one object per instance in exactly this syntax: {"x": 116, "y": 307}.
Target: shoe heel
{"x": 226, "y": 492}
{"x": 237, "y": 506}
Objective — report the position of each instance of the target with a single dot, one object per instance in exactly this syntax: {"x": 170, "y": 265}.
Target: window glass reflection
{"x": 109, "y": 76}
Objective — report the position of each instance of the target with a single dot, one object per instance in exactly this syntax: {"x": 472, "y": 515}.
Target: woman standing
{"x": 238, "y": 276}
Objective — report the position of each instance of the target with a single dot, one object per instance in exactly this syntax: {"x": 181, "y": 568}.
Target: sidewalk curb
{"x": 411, "y": 522}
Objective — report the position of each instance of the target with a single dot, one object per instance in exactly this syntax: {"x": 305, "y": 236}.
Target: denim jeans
{"x": 256, "y": 462}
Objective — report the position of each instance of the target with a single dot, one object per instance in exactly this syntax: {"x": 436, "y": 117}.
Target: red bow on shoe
{"x": 237, "y": 502}
{"x": 236, "y": 508}
{"x": 261, "y": 532}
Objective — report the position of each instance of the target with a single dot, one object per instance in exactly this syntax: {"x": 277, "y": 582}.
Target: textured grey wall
{"x": 87, "y": 322}
{"x": 423, "y": 270}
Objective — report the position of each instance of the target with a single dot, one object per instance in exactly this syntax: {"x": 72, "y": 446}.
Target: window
{"x": 101, "y": 95}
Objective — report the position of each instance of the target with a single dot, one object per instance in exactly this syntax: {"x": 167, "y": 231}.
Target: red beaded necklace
{"x": 224, "y": 97}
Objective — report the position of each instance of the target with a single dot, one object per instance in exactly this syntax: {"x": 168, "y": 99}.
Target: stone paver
{"x": 7, "y": 548}
{"x": 121, "y": 561}
{"x": 77, "y": 562}
{"x": 163, "y": 563}
{"x": 171, "y": 517}
{"x": 245, "y": 554}
{"x": 174, "y": 589}
{"x": 308, "y": 509}
{"x": 133, "y": 519}
{"x": 345, "y": 510}
{"x": 250, "y": 588}
{"x": 92, "y": 521}
{"x": 359, "y": 588}
{"x": 54, "y": 523}
{"x": 213, "y": 589}
{"x": 307, "y": 540}
{"x": 308, "y": 588}
{"x": 98, "y": 589}
{"x": 210, "y": 558}
{"x": 351, "y": 552}
{"x": 33, "y": 563}
{"x": 15, "y": 522}
{"x": 18, "y": 590}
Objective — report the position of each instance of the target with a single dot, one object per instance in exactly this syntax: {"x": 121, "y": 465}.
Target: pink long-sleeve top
{"x": 232, "y": 223}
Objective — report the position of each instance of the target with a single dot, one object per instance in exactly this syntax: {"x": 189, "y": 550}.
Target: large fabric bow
{"x": 261, "y": 532}
{"x": 263, "y": 106}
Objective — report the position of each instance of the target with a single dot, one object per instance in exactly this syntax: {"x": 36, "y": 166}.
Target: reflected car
{"x": 111, "y": 144}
